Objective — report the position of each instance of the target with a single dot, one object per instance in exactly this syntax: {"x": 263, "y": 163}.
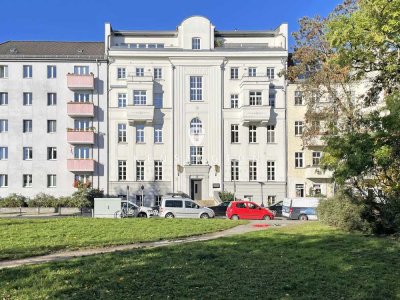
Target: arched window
{"x": 196, "y": 127}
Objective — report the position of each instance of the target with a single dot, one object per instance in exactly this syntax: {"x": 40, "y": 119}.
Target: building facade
{"x": 53, "y": 117}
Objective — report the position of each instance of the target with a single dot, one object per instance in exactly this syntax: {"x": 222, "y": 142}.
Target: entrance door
{"x": 195, "y": 189}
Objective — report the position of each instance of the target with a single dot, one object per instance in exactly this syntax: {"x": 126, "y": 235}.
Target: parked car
{"x": 300, "y": 208}
{"x": 183, "y": 208}
{"x": 178, "y": 195}
{"x": 248, "y": 210}
{"x": 137, "y": 211}
{"x": 276, "y": 209}
{"x": 220, "y": 209}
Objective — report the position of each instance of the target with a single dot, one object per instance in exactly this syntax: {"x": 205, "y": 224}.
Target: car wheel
{"x": 142, "y": 215}
{"x": 169, "y": 216}
{"x": 235, "y": 217}
{"x": 204, "y": 216}
{"x": 266, "y": 217}
{"x": 303, "y": 218}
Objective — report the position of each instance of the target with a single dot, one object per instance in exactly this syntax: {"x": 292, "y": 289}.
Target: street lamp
{"x": 142, "y": 188}
{"x": 262, "y": 193}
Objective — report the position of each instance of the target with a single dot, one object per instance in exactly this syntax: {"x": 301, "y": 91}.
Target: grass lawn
{"x": 30, "y": 237}
{"x": 301, "y": 262}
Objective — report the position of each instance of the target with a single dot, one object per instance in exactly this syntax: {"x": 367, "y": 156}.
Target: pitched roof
{"x": 52, "y": 49}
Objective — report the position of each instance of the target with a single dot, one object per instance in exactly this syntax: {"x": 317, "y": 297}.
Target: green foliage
{"x": 84, "y": 197}
{"x": 13, "y": 200}
{"x": 43, "y": 200}
{"x": 226, "y": 196}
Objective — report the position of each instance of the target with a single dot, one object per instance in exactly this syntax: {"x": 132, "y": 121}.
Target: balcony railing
{"x": 80, "y": 109}
{"x": 80, "y": 165}
{"x": 140, "y": 113}
{"x": 255, "y": 114}
{"x": 80, "y": 82}
{"x": 77, "y": 137}
{"x": 315, "y": 172}
{"x": 259, "y": 79}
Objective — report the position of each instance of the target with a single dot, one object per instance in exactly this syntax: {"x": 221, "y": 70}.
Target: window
{"x": 299, "y": 190}
{"x": 271, "y": 73}
{"x": 3, "y": 98}
{"x": 158, "y": 134}
{"x": 81, "y": 70}
{"x": 316, "y": 158}
{"x": 316, "y": 126}
{"x": 234, "y": 133}
{"x": 272, "y": 98}
{"x": 27, "y": 71}
{"x": 27, "y": 153}
{"x": 270, "y": 133}
{"x": 158, "y": 171}
{"x": 157, "y": 73}
{"x": 158, "y": 100}
{"x": 196, "y": 155}
{"x": 82, "y": 152}
{"x": 82, "y": 97}
{"x": 157, "y": 200}
{"x": 51, "y": 72}
{"x": 27, "y": 180}
{"x": 173, "y": 203}
{"x": 234, "y": 170}
{"x": 255, "y": 98}
{"x": 3, "y": 153}
{"x": 122, "y": 170}
{"x": 3, "y": 126}
{"x": 27, "y": 98}
{"x": 140, "y": 170}
{"x": 252, "y": 170}
{"x": 270, "y": 170}
{"x": 3, "y": 71}
{"x": 51, "y": 99}
{"x": 139, "y": 72}
{"x": 315, "y": 97}
{"x": 81, "y": 124}
{"x": 121, "y": 73}
{"x": 82, "y": 178}
{"x": 298, "y": 158}
{"x": 51, "y": 180}
{"x": 316, "y": 190}
{"x": 196, "y": 126}
{"x": 234, "y": 100}
{"x": 271, "y": 200}
{"x": 195, "y": 43}
{"x": 51, "y": 153}
{"x": 139, "y": 97}
{"x": 246, "y": 197}
{"x": 51, "y": 126}
{"x": 3, "y": 180}
{"x": 298, "y": 127}
{"x": 252, "y": 134}
{"x": 121, "y": 133}
{"x": 196, "y": 88}
{"x": 139, "y": 133}
{"x": 234, "y": 73}
{"x": 298, "y": 98}
{"x": 252, "y": 72}
{"x": 27, "y": 126}
{"x": 121, "y": 100}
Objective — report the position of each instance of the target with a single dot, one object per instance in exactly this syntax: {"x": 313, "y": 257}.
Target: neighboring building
{"x": 53, "y": 117}
{"x": 197, "y": 110}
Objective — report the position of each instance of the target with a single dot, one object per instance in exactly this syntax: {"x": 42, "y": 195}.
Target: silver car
{"x": 183, "y": 208}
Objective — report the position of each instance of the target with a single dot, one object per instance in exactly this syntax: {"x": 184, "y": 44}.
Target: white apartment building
{"x": 53, "y": 117}
{"x": 197, "y": 110}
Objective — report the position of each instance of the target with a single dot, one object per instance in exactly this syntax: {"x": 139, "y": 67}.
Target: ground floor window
{"x": 157, "y": 200}
{"x": 316, "y": 190}
{"x": 248, "y": 197}
{"x": 271, "y": 200}
{"x": 299, "y": 190}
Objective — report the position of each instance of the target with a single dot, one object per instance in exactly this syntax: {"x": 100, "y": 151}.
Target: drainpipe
{"x": 224, "y": 62}
{"x": 98, "y": 124}
{"x": 173, "y": 126}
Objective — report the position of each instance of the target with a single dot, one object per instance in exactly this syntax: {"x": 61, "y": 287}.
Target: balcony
{"x": 80, "y": 82}
{"x": 316, "y": 141}
{"x": 80, "y": 109}
{"x": 255, "y": 80}
{"x": 255, "y": 114}
{"x": 80, "y": 165}
{"x": 77, "y": 137}
{"x": 315, "y": 172}
{"x": 140, "y": 113}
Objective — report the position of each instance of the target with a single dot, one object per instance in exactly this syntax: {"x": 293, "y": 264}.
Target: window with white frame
{"x": 270, "y": 170}
{"x": 298, "y": 127}
{"x": 234, "y": 133}
{"x": 234, "y": 73}
{"x": 252, "y": 170}
{"x": 157, "y": 73}
{"x": 27, "y": 71}
{"x": 196, "y": 88}
{"x": 121, "y": 73}
{"x": 270, "y": 133}
{"x": 51, "y": 180}
{"x": 252, "y": 134}
{"x": 158, "y": 134}
{"x": 27, "y": 153}
{"x": 51, "y": 99}
{"x": 157, "y": 200}
{"x": 3, "y": 180}
{"x": 81, "y": 70}
{"x": 82, "y": 152}
{"x": 252, "y": 72}
{"x": 3, "y": 153}
{"x": 3, "y": 125}
{"x": 196, "y": 43}
{"x": 316, "y": 158}
{"x": 139, "y": 133}
{"x": 139, "y": 72}
{"x": 158, "y": 100}
{"x": 139, "y": 97}
{"x": 298, "y": 159}
{"x": 27, "y": 180}
{"x": 196, "y": 155}
{"x": 121, "y": 133}
{"x": 271, "y": 73}
{"x": 272, "y": 98}
{"x": 3, "y": 98}
{"x": 121, "y": 100}
{"x": 27, "y": 126}
{"x": 3, "y": 71}
{"x": 140, "y": 170}
{"x": 158, "y": 170}
{"x": 196, "y": 126}
{"x": 51, "y": 126}
{"x": 316, "y": 126}
{"x": 81, "y": 124}
{"x": 234, "y": 170}
{"x": 255, "y": 98}
{"x": 316, "y": 190}
{"x": 299, "y": 190}
{"x": 82, "y": 97}
{"x": 27, "y": 98}
{"x": 51, "y": 72}
{"x": 82, "y": 178}
{"x": 234, "y": 100}
{"x": 271, "y": 199}
{"x": 298, "y": 98}
{"x": 52, "y": 153}
{"x": 122, "y": 170}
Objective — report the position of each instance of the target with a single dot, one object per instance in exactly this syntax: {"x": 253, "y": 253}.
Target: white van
{"x": 176, "y": 207}
{"x": 300, "y": 208}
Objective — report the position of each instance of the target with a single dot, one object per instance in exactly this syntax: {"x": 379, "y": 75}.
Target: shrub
{"x": 84, "y": 197}
{"x": 226, "y": 196}
{"x": 43, "y": 200}
{"x": 13, "y": 200}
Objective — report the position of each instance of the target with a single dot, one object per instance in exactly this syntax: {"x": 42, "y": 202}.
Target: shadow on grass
{"x": 310, "y": 263}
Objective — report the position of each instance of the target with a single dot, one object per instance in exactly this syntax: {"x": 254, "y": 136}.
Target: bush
{"x": 13, "y": 200}
{"x": 43, "y": 200}
{"x": 84, "y": 197}
{"x": 226, "y": 196}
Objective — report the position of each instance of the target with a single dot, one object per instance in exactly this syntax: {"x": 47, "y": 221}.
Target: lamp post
{"x": 142, "y": 188}
{"x": 127, "y": 199}
{"x": 262, "y": 193}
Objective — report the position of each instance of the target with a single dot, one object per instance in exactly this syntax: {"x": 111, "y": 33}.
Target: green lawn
{"x": 301, "y": 262}
{"x": 30, "y": 237}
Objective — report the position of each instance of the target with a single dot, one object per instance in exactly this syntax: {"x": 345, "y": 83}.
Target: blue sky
{"x": 73, "y": 20}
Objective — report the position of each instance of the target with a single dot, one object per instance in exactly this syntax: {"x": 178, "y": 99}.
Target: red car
{"x": 247, "y": 210}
